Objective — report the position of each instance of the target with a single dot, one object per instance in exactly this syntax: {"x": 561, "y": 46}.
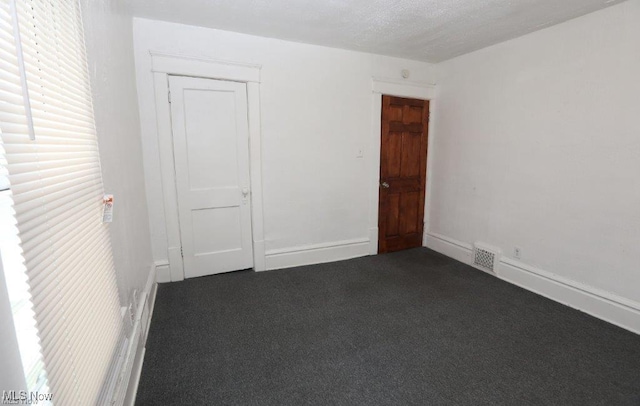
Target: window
{"x": 51, "y": 152}
{"x": 18, "y": 289}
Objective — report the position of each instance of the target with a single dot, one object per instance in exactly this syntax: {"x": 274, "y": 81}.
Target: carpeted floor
{"x": 410, "y": 328}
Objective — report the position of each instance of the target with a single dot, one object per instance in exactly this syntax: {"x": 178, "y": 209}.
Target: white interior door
{"x": 211, "y": 151}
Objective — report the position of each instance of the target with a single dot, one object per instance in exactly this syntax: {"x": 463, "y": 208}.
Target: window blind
{"x": 57, "y": 192}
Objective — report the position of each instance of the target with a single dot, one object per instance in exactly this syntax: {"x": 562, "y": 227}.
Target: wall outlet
{"x": 517, "y": 252}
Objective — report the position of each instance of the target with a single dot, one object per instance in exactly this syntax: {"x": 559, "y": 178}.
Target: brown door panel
{"x": 403, "y": 166}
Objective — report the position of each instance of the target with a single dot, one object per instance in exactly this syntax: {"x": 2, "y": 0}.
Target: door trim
{"x": 163, "y": 65}
{"x": 399, "y": 88}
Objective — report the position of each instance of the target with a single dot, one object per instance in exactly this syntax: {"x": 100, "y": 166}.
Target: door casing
{"x": 163, "y": 65}
{"x": 406, "y": 89}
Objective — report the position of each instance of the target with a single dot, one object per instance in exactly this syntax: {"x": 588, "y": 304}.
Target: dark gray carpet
{"x": 410, "y": 328}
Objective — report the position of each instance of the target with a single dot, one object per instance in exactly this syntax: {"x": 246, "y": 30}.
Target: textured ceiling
{"x": 426, "y": 30}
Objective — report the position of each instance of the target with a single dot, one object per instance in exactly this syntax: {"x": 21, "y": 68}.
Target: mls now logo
{"x": 23, "y": 397}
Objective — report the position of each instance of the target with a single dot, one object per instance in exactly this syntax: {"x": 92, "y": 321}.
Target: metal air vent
{"x": 485, "y": 258}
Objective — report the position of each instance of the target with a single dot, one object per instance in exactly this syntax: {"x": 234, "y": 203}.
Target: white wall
{"x": 315, "y": 113}
{"x": 538, "y": 146}
{"x": 109, "y": 40}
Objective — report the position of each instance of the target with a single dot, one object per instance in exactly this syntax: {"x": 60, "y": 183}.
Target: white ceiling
{"x": 426, "y": 30}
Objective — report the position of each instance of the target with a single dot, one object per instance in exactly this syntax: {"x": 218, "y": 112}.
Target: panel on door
{"x": 211, "y": 153}
{"x": 403, "y": 170}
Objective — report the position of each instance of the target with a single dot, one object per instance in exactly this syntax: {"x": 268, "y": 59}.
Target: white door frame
{"x": 163, "y": 65}
{"x": 400, "y": 88}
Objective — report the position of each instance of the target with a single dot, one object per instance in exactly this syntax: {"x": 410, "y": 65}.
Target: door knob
{"x": 245, "y": 192}
{"x": 385, "y": 185}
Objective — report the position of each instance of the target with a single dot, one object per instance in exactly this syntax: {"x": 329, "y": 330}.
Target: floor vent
{"x": 485, "y": 258}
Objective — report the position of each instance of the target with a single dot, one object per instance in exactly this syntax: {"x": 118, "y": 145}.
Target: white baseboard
{"x": 163, "y": 272}
{"x": 147, "y": 312}
{"x": 316, "y": 254}
{"x": 604, "y": 305}
{"x": 136, "y": 372}
{"x": 450, "y": 247}
{"x": 135, "y": 355}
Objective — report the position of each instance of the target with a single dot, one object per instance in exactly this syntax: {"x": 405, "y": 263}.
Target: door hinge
{"x": 169, "y": 96}
{"x": 181, "y": 253}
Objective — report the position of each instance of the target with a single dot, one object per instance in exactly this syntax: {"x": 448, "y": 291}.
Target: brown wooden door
{"x": 403, "y": 172}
